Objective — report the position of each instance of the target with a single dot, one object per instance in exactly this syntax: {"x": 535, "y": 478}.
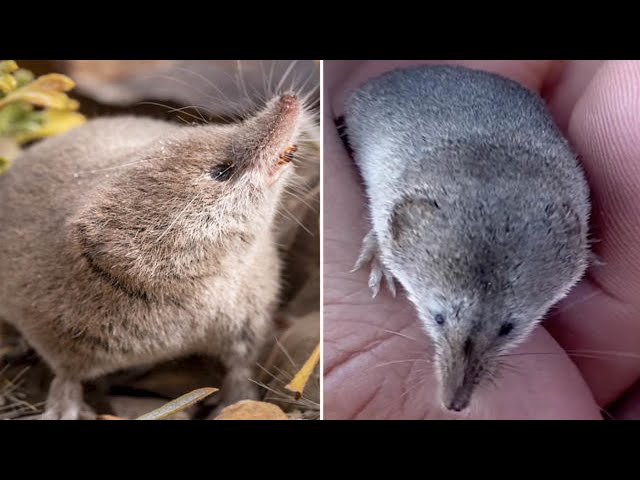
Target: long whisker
{"x": 415, "y": 386}
{"x": 213, "y": 85}
{"x": 293, "y": 217}
{"x": 394, "y": 362}
{"x": 587, "y": 353}
{"x": 286, "y": 74}
{"x": 174, "y": 109}
{"x": 570, "y": 305}
{"x": 400, "y": 335}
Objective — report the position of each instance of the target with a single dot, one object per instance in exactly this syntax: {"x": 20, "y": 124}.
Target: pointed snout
{"x": 269, "y": 134}
{"x": 459, "y": 399}
{"x": 277, "y": 119}
{"x": 458, "y": 385}
{"x": 289, "y": 103}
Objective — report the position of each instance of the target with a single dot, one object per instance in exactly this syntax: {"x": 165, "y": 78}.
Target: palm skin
{"x": 585, "y": 357}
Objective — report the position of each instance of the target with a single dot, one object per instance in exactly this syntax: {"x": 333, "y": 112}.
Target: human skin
{"x": 584, "y": 360}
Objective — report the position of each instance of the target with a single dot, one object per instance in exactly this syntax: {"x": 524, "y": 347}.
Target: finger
{"x": 335, "y": 71}
{"x": 345, "y": 216}
{"x": 605, "y": 129}
{"x": 628, "y": 407}
{"x": 565, "y": 85}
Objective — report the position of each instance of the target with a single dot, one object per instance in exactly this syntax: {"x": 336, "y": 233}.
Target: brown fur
{"x": 119, "y": 249}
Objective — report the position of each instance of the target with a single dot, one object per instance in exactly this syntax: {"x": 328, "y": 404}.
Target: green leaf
{"x": 19, "y": 117}
{"x": 47, "y": 123}
{"x": 23, "y": 77}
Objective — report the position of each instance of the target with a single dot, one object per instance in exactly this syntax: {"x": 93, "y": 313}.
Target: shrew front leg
{"x": 239, "y": 361}
{"x": 370, "y": 253}
{"x": 66, "y": 401}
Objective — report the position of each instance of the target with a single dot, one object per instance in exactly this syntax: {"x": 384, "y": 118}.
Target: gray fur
{"x": 119, "y": 249}
{"x": 479, "y": 209}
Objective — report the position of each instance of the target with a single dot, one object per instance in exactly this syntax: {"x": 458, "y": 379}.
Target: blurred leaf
{"x": 178, "y": 404}
{"x": 20, "y": 120}
{"x": 8, "y": 66}
{"x": 7, "y": 83}
{"x": 252, "y": 410}
{"x": 108, "y": 417}
{"x": 302, "y": 377}
{"x": 45, "y": 91}
{"x": 16, "y": 117}
{"x": 23, "y": 76}
{"x": 49, "y": 122}
{"x": 9, "y": 149}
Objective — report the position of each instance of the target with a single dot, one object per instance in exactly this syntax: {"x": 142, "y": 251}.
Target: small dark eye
{"x": 439, "y": 318}
{"x": 222, "y": 172}
{"x": 505, "y": 329}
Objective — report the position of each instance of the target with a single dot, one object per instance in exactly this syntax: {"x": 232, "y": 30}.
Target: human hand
{"x": 377, "y": 359}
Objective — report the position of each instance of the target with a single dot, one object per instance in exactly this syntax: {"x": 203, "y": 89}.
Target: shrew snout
{"x": 461, "y": 368}
{"x": 458, "y": 398}
{"x": 285, "y": 115}
{"x": 268, "y": 137}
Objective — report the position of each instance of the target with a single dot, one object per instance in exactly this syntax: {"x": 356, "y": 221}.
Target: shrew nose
{"x": 457, "y": 404}
{"x": 460, "y": 400}
{"x": 288, "y": 102}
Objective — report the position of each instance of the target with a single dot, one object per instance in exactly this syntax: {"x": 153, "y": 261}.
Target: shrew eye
{"x": 439, "y": 318}
{"x": 223, "y": 171}
{"x": 505, "y": 328}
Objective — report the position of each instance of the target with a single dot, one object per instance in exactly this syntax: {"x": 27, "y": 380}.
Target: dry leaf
{"x": 131, "y": 407}
{"x": 302, "y": 377}
{"x": 252, "y": 410}
{"x": 109, "y": 417}
{"x": 178, "y": 404}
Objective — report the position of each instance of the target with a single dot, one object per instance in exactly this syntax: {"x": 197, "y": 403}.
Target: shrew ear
{"x": 410, "y": 210}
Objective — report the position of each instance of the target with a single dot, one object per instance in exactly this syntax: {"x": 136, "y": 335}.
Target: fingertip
{"x": 605, "y": 130}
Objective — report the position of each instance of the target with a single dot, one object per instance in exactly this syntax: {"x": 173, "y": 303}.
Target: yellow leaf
{"x": 7, "y": 83}
{"x": 45, "y": 91}
{"x": 54, "y": 122}
{"x": 8, "y": 66}
{"x": 302, "y": 377}
{"x": 178, "y": 404}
